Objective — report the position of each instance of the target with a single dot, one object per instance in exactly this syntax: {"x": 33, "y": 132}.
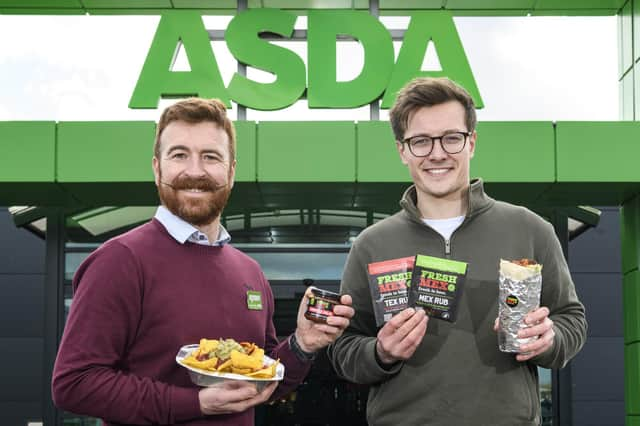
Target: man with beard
{"x": 143, "y": 295}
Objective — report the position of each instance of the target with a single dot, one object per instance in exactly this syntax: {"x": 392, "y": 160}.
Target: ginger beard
{"x": 198, "y": 211}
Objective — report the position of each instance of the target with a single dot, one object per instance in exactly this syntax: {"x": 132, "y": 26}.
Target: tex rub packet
{"x": 436, "y": 286}
{"x": 388, "y": 282}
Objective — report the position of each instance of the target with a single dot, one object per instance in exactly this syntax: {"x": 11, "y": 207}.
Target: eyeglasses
{"x": 451, "y": 143}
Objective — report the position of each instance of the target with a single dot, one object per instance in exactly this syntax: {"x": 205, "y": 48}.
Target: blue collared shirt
{"x": 183, "y": 231}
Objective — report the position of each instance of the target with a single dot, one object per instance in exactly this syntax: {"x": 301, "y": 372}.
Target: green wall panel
{"x": 412, "y": 4}
{"x": 378, "y": 158}
{"x": 95, "y": 160}
{"x": 631, "y": 297}
{"x": 204, "y": 4}
{"x": 630, "y": 234}
{"x": 309, "y": 4}
{"x": 479, "y": 7}
{"x": 148, "y": 11}
{"x": 572, "y": 4}
{"x": 632, "y": 421}
{"x": 133, "y": 4}
{"x": 321, "y": 151}
{"x": 245, "y": 151}
{"x": 41, "y": 11}
{"x": 632, "y": 379}
{"x": 504, "y": 152}
{"x": 574, "y": 12}
{"x": 41, "y": 3}
{"x": 105, "y": 151}
{"x": 489, "y": 4}
{"x": 28, "y": 151}
{"x": 583, "y": 148}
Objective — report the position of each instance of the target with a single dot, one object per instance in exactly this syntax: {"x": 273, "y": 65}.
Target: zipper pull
{"x": 447, "y": 246}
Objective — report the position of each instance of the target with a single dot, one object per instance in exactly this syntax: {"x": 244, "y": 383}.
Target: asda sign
{"x": 380, "y": 77}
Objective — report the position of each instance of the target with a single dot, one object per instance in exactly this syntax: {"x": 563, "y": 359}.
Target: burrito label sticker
{"x": 436, "y": 286}
{"x": 512, "y": 301}
{"x": 389, "y": 281}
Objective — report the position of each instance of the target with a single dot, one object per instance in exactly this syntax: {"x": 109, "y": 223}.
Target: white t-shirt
{"x": 445, "y": 227}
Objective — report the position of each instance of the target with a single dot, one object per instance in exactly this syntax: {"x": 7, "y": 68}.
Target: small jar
{"x": 320, "y": 306}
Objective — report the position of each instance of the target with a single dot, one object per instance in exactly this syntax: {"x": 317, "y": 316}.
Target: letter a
{"x": 158, "y": 81}
{"x": 439, "y": 27}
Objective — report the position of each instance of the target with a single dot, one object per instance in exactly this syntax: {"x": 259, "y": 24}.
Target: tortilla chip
{"x": 248, "y": 347}
{"x": 225, "y": 367}
{"x": 244, "y": 361}
{"x": 243, "y": 371}
{"x": 265, "y": 373}
{"x": 258, "y": 353}
{"x": 208, "y": 346}
{"x": 208, "y": 364}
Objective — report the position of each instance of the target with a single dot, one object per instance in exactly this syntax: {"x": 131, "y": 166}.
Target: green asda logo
{"x": 381, "y": 75}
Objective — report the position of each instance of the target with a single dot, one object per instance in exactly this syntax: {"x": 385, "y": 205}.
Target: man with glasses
{"x": 426, "y": 371}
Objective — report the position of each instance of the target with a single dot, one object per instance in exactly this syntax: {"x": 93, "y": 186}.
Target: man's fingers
{"x": 345, "y": 299}
{"x": 328, "y": 329}
{"x": 413, "y": 339}
{"x": 544, "y": 342}
{"x": 536, "y": 316}
{"x": 233, "y": 396}
{"x": 345, "y": 311}
{"x": 239, "y": 390}
{"x": 335, "y": 324}
{"x": 402, "y": 317}
{"x": 410, "y": 324}
{"x": 536, "y": 330}
{"x": 539, "y": 346}
{"x": 401, "y": 343}
{"x": 395, "y": 323}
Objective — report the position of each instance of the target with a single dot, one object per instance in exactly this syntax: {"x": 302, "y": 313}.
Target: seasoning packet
{"x": 388, "y": 282}
{"x": 436, "y": 286}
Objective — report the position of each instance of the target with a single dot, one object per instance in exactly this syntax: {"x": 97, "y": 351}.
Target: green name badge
{"x": 254, "y": 300}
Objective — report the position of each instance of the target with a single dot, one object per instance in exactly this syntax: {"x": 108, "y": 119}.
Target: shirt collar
{"x": 183, "y": 231}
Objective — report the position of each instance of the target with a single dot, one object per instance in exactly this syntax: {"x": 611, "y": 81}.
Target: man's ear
{"x": 402, "y": 153}
{"x": 472, "y": 143}
{"x": 232, "y": 173}
{"x": 155, "y": 164}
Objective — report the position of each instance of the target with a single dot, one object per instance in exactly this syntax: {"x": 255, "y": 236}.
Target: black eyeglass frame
{"x": 439, "y": 138}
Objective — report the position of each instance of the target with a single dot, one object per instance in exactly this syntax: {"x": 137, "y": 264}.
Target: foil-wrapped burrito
{"x": 520, "y": 283}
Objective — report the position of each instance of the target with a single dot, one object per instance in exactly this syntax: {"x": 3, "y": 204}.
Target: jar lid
{"x": 318, "y": 292}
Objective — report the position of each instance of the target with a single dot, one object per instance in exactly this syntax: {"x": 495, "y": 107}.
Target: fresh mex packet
{"x": 436, "y": 286}
{"x": 388, "y": 281}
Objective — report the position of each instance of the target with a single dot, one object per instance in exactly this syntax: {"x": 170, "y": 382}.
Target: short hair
{"x": 194, "y": 111}
{"x": 425, "y": 92}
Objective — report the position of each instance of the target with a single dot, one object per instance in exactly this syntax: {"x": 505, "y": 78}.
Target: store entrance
{"x": 323, "y": 398}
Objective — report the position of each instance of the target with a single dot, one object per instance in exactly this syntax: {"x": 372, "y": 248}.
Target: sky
{"x": 79, "y": 68}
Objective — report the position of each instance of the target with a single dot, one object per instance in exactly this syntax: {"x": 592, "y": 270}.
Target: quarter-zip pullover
{"x": 458, "y": 376}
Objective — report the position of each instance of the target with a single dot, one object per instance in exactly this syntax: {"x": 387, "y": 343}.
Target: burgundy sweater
{"x": 138, "y": 299}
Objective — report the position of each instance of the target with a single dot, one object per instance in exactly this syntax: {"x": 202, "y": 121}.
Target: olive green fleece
{"x": 457, "y": 375}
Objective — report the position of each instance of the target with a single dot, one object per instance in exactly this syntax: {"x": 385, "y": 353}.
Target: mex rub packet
{"x": 436, "y": 285}
{"x": 388, "y": 282}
